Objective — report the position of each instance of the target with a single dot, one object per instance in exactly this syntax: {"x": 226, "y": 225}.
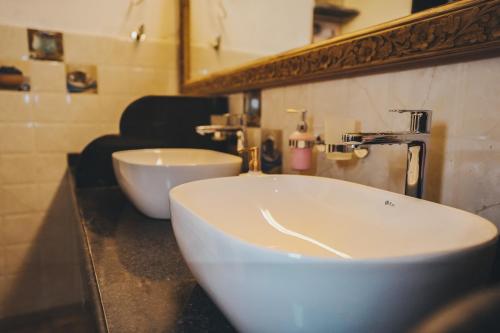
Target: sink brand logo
{"x": 389, "y": 203}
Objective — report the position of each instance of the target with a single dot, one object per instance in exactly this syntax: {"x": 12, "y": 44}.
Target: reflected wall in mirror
{"x": 235, "y": 45}
{"x": 229, "y": 33}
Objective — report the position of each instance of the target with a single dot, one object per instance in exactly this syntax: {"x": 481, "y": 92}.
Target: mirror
{"x": 236, "y": 45}
{"x": 230, "y": 33}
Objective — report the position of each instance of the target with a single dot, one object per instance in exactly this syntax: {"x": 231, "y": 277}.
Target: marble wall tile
{"x": 368, "y": 101}
{"x": 430, "y": 88}
{"x": 440, "y": 178}
{"x": 273, "y": 106}
{"x": 479, "y": 107}
{"x": 383, "y": 168}
{"x": 329, "y": 98}
{"x": 477, "y": 176}
{"x": 463, "y": 164}
{"x": 236, "y": 104}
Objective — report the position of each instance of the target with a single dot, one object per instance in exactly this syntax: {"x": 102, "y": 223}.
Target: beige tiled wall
{"x": 464, "y": 152}
{"x": 38, "y": 263}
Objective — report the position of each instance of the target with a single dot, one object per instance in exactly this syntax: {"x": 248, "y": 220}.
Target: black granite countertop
{"x": 137, "y": 278}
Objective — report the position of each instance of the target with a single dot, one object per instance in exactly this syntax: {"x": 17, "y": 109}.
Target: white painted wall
{"x": 116, "y": 18}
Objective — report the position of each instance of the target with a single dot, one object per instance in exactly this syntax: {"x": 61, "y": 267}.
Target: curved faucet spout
{"x": 232, "y": 127}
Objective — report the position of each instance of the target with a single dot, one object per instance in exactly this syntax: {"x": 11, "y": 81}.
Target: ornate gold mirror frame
{"x": 466, "y": 28}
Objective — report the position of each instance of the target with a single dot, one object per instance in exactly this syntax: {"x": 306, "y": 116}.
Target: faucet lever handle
{"x": 420, "y": 121}
{"x": 253, "y": 158}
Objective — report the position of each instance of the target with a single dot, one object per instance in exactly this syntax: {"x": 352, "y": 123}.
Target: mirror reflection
{"x": 226, "y": 34}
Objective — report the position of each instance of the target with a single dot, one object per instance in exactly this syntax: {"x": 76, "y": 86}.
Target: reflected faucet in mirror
{"x": 416, "y": 139}
{"x": 224, "y": 127}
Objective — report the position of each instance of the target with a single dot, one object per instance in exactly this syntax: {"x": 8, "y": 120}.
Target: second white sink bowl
{"x": 147, "y": 175}
{"x": 310, "y": 254}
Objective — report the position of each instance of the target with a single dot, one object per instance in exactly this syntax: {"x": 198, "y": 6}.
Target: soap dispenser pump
{"x": 301, "y": 143}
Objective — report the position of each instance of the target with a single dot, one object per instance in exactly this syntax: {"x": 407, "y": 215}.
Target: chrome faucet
{"x": 225, "y": 126}
{"x": 416, "y": 140}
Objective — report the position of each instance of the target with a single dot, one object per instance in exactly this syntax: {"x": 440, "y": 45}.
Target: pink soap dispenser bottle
{"x": 301, "y": 143}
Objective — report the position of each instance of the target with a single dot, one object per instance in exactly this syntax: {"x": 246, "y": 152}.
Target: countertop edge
{"x": 85, "y": 252}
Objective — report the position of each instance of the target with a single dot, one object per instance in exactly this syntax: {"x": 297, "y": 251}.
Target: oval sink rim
{"x": 398, "y": 259}
{"x": 230, "y": 158}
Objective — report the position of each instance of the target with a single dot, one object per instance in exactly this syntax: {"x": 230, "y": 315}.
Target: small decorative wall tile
{"x": 14, "y": 75}
{"x": 45, "y": 45}
{"x": 81, "y": 78}
{"x": 271, "y": 151}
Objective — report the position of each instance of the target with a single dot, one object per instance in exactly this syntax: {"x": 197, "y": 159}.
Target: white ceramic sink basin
{"x": 309, "y": 254}
{"x": 147, "y": 175}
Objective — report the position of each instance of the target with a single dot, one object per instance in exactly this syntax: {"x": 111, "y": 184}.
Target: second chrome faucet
{"x": 228, "y": 126}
